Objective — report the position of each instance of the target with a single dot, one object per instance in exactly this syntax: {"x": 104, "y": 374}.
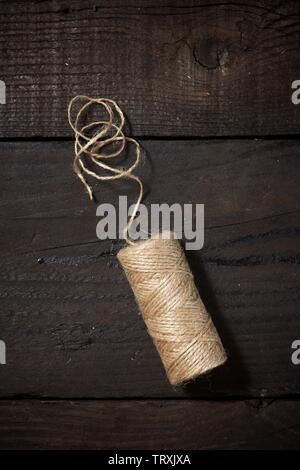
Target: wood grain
{"x": 146, "y": 424}
{"x": 68, "y": 316}
{"x": 177, "y": 68}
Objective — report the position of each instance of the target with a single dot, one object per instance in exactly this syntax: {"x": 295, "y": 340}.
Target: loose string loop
{"x": 90, "y": 141}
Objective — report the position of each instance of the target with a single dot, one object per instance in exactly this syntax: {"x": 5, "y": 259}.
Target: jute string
{"x": 156, "y": 269}
{"x": 102, "y": 140}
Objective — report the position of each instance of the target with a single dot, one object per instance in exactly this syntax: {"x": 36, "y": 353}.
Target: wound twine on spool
{"x": 156, "y": 269}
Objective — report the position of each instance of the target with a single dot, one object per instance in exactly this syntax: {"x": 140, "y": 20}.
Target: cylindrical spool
{"x": 176, "y": 318}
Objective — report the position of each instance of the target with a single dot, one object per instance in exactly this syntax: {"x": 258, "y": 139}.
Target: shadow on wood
{"x": 234, "y": 365}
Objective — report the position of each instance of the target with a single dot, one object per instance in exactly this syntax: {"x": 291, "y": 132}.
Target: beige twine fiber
{"x": 156, "y": 269}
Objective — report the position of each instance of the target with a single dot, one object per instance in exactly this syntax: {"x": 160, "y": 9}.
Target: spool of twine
{"x": 157, "y": 269}
{"x": 176, "y": 318}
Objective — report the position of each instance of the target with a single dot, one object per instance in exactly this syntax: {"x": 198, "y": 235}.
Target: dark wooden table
{"x": 207, "y": 88}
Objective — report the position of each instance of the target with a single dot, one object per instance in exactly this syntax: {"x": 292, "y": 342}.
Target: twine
{"x": 156, "y": 269}
{"x": 176, "y": 318}
{"x": 92, "y": 138}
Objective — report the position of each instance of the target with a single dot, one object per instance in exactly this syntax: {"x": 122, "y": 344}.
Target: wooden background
{"x": 206, "y": 87}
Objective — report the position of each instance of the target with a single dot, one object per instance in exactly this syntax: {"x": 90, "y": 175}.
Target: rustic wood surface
{"x": 68, "y": 315}
{"x": 209, "y": 68}
{"x": 81, "y": 370}
{"x": 146, "y": 424}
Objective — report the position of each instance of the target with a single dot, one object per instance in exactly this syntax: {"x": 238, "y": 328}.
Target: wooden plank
{"x": 211, "y": 69}
{"x": 146, "y": 424}
{"x": 68, "y": 316}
